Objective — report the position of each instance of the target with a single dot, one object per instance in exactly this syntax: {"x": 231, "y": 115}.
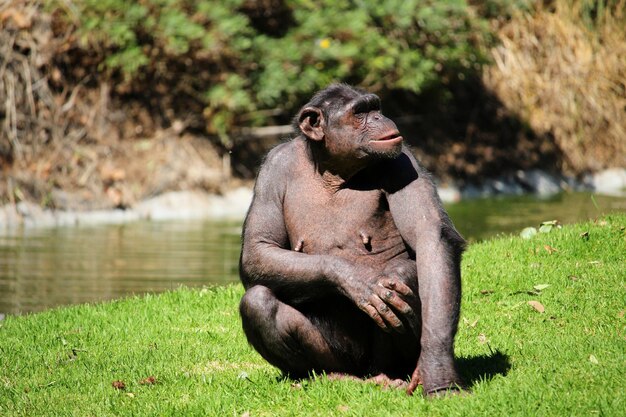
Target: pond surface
{"x": 44, "y": 268}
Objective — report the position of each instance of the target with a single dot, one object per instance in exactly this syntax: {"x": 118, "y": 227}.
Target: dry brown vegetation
{"x": 70, "y": 146}
{"x": 567, "y": 78}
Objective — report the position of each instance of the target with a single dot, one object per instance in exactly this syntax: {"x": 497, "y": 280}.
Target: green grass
{"x": 569, "y": 360}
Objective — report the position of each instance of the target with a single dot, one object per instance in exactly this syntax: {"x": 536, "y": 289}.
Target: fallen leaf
{"x": 550, "y": 223}
{"x": 148, "y": 381}
{"x": 537, "y": 306}
{"x": 486, "y": 292}
{"x": 573, "y": 277}
{"x": 119, "y": 385}
{"x": 546, "y": 227}
{"x": 584, "y": 236}
{"x": 550, "y": 249}
{"x": 482, "y": 338}
{"x": 470, "y": 323}
{"x": 343, "y": 408}
{"x": 246, "y": 414}
{"x": 540, "y": 287}
{"x": 620, "y": 315}
{"x": 296, "y": 385}
{"x": 593, "y": 359}
{"x": 130, "y": 394}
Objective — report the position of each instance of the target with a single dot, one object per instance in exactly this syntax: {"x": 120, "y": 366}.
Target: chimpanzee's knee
{"x": 258, "y": 311}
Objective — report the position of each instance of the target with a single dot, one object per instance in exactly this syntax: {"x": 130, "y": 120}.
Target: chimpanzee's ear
{"x": 311, "y": 122}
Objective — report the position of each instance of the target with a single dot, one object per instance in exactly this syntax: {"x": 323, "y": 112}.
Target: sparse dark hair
{"x": 329, "y": 100}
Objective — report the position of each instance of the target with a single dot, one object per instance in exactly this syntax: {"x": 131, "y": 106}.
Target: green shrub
{"x": 237, "y": 58}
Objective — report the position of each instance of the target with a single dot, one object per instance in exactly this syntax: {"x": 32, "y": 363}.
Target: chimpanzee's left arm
{"x": 427, "y": 229}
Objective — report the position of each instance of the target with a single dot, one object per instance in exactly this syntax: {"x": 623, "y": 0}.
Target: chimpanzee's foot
{"x": 386, "y": 382}
{"x": 339, "y": 376}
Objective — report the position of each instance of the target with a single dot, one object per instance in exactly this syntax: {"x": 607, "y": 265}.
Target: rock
{"x": 449, "y": 194}
{"x": 572, "y": 184}
{"x": 610, "y": 181}
{"x": 472, "y": 191}
{"x": 235, "y": 204}
{"x": 184, "y": 205}
{"x": 540, "y": 182}
{"x": 507, "y": 186}
{"x": 178, "y": 205}
{"x": 32, "y": 215}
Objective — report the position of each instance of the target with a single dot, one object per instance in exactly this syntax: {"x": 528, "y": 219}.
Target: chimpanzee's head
{"x": 349, "y": 123}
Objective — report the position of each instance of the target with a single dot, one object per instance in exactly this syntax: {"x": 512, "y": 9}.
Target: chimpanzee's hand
{"x": 405, "y": 270}
{"x": 381, "y": 296}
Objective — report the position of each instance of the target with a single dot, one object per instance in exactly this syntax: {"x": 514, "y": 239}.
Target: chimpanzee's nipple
{"x": 366, "y": 239}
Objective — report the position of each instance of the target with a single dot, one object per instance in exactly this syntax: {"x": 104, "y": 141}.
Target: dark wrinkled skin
{"x": 350, "y": 263}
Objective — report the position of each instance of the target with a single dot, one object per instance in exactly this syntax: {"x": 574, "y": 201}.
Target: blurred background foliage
{"x": 480, "y": 87}
{"x": 238, "y": 58}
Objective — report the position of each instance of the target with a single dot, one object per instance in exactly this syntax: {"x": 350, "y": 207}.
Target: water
{"x": 484, "y": 218}
{"x": 44, "y": 268}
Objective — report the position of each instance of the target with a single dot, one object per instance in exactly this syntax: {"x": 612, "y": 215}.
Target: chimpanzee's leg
{"x": 284, "y": 336}
{"x": 332, "y": 336}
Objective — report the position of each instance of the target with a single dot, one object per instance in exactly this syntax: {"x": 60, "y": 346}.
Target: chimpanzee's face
{"x": 360, "y": 129}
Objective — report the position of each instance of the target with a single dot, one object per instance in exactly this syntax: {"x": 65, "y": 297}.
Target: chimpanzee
{"x": 350, "y": 263}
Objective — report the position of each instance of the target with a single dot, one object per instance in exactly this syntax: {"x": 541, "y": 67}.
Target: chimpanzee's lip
{"x": 392, "y": 138}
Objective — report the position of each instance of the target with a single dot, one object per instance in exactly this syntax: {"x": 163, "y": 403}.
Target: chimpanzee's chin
{"x": 391, "y": 153}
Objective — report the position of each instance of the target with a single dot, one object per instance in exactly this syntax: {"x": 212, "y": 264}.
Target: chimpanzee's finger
{"x": 401, "y": 306}
{"x": 371, "y": 311}
{"x": 387, "y": 314}
{"x": 392, "y": 299}
{"x": 397, "y": 285}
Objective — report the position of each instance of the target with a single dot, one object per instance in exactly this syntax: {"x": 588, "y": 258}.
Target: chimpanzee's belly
{"x": 353, "y": 224}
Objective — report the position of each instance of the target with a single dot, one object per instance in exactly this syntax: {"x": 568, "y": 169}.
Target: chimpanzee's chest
{"x": 354, "y": 224}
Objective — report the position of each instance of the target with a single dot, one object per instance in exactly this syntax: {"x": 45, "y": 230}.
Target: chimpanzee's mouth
{"x": 392, "y": 137}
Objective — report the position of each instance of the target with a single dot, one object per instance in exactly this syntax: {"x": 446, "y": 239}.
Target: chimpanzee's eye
{"x": 361, "y": 108}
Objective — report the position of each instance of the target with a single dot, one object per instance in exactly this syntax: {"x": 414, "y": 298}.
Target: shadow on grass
{"x": 471, "y": 369}
{"x": 483, "y": 368}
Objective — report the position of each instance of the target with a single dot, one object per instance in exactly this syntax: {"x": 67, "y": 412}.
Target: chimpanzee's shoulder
{"x": 284, "y": 153}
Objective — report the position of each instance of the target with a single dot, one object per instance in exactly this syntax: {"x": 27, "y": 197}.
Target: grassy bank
{"x": 183, "y": 352}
